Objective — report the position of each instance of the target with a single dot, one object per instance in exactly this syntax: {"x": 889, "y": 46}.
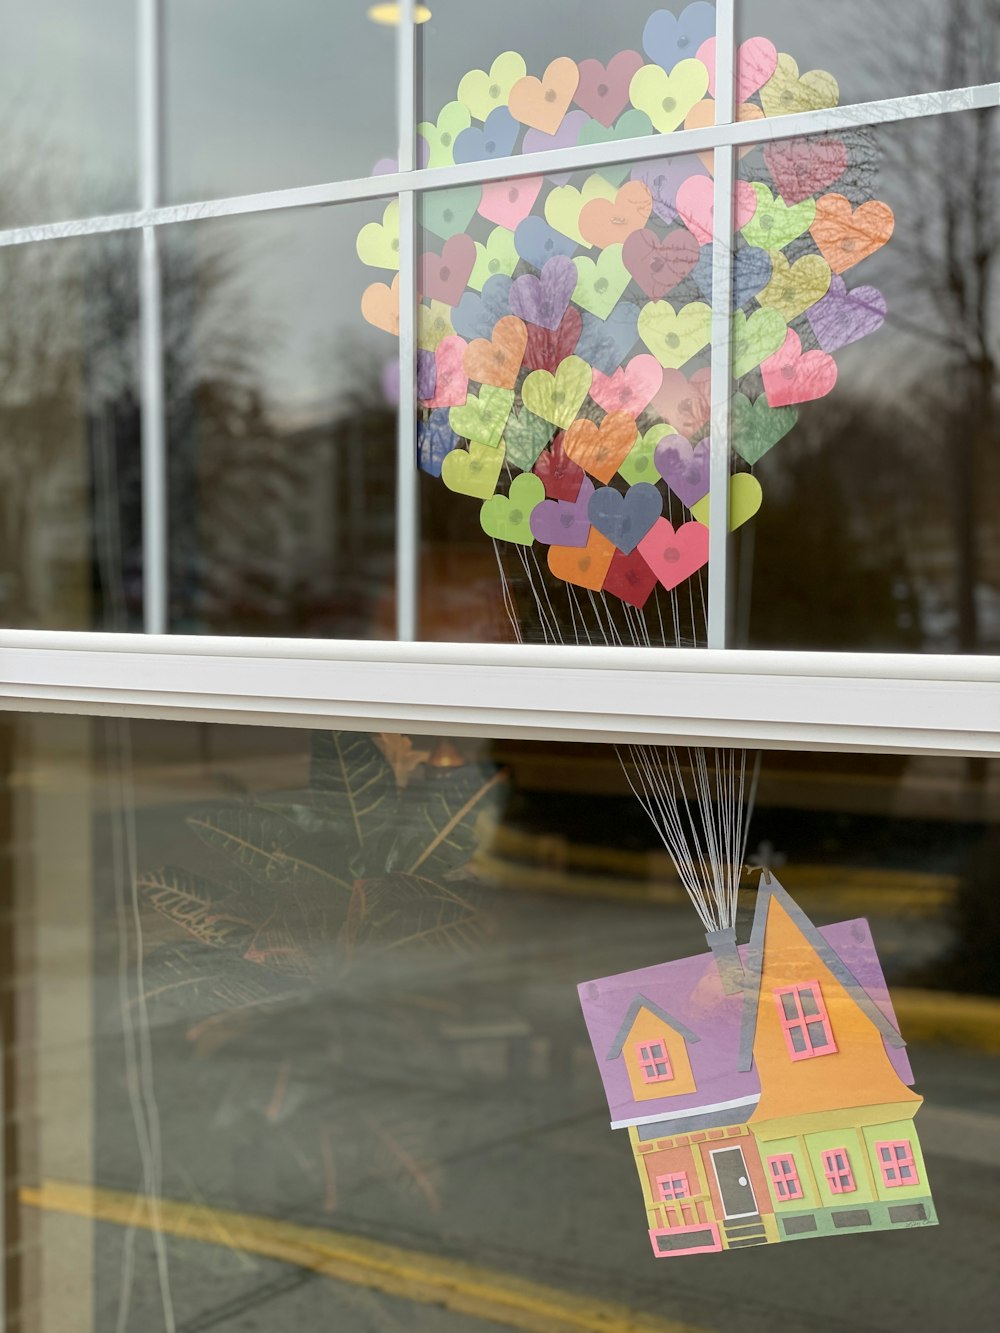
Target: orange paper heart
{"x": 844, "y": 235}
{"x": 600, "y": 449}
{"x": 542, "y": 103}
{"x": 585, "y": 566}
{"x": 380, "y": 305}
{"x": 497, "y": 361}
{"x": 605, "y": 222}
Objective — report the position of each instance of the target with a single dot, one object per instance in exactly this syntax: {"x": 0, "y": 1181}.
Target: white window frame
{"x": 840, "y": 701}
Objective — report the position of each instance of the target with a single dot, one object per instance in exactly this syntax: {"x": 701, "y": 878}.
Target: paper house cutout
{"x": 765, "y": 1088}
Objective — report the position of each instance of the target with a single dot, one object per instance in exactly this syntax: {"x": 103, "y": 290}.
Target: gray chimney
{"x": 727, "y": 958}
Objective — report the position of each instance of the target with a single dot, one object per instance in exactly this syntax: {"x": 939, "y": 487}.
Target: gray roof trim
{"x": 641, "y": 1002}
{"x": 771, "y": 889}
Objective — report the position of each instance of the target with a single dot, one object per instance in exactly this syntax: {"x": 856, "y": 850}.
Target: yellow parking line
{"x": 428, "y": 1278}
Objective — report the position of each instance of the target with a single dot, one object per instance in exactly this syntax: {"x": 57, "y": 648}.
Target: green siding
{"x": 796, "y": 1147}
{"x": 854, "y": 1142}
{"x": 897, "y": 1129}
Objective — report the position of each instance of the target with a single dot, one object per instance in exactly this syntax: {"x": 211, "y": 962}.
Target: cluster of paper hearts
{"x": 564, "y": 332}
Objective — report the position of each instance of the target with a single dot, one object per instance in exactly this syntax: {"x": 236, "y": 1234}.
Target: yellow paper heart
{"x": 793, "y": 288}
{"x": 558, "y": 398}
{"x": 433, "y": 324}
{"x": 378, "y": 242}
{"x": 454, "y": 118}
{"x": 482, "y": 93}
{"x": 745, "y": 498}
{"x": 563, "y": 205}
{"x": 675, "y": 336}
{"x": 473, "y": 471}
{"x": 667, "y": 98}
{"x": 786, "y": 91}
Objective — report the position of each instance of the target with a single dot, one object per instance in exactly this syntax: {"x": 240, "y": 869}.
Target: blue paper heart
{"x": 751, "y": 273}
{"x": 435, "y": 438}
{"x": 625, "y": 519}
{"x": 535, "y": 241}
{"x": 497, "y": 138}
{"x": 667, "y": 39}
{"x": 605, "y": 343}
{"x": 475, "y": 316}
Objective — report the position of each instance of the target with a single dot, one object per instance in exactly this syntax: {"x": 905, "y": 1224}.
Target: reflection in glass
{"x": 70, "y": 487}
{"x": 305, "y": 1029}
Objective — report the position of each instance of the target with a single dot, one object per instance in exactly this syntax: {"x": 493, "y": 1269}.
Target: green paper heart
{"x": 563, "y": 205}
{"x": 600, "y": 285}
{"x": 558, "y": 398}
{"x": 454, "y": 118}
{"x": 525, "y": 436}
{"x": 498, "y": 255}
{"x": 473, "y": 471}
{"x": 745, "y": 496}
{"x": 447, "y": 212}
{"x": 483, "y": 93}
{"x": 378, "y": 242}
{"x": 757, "y": 427}
{"x": 667, "y": 98}
{"x": 776, "y": 224}
{"x": 505, "y": 517}
{"x": 632, "y": 125}
{"x": 433, "y": 324}
{"x": 793, "y": 288}
{"x": 483, "y": 418}
{"x": 638, "y": 463}
{"x": 755, "y": 339}
{"x": 674, "y": 336}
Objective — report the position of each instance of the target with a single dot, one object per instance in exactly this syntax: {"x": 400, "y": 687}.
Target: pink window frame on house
{"x": 785, "y": 1177}
{"x": 900, "y": 1156}
{"x": 803, "y": 1023}
{"x": 837, "y": 1169}
{"x": 673, "y": 1186}
{"x": 649, "y": 1063}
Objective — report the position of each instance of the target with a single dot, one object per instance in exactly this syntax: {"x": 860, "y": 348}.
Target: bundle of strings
{"x": 698, "y": 800}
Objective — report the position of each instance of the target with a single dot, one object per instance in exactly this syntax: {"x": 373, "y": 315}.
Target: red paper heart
{"x": 629, "y": 578}
{"x": 561, "y": 477}
{"x": 659, "y": 263}
{"x": 443, "y": 277}
{"x": 603, "y": 92}
{"x": 801, "y": 168}
{"x": 547, "y": 347}
{"x": 674, "y": 556}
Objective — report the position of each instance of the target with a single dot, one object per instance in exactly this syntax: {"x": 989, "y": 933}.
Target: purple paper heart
{"x": 563, "y": 522}
{"x": 843, "y": 316}
{"x": 667, "y": 38}
{"x": 388, "y": 166}
{"x": 566, "y": 136}
{"x": 664, "y": 179}
{"x": 426, "y": 375}
{"x": 684, "y": 467}
{"x": 625, "y": 519}
{"x": 390, "y": 381}
{"x": 545, "y": 299}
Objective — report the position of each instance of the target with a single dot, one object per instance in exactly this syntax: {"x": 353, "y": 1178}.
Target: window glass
{"x": 263, "y": 95}
{"x": 67, "y": 110}
{"x": 280, "y": 1028}
{"x": 70, "y": 486}
{"x": 281, "y": 403}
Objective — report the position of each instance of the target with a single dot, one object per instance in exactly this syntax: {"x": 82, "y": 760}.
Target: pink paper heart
{"x": 804, "y": 167}
{"x": 509, "y": 202}
{"x": 696, "y": 206}
{"x": 443, "y": 277}
{"x": 674, "y": 556}
{"x": 659, "y": 263}
{"x": 793, "y": 376}
{"x": 451, "y": 386}
{"x": 756, "y": 61}
{"x": 630, "y": 389}
{"x": 603, "y": 91}
{"x": 685, "y": 404}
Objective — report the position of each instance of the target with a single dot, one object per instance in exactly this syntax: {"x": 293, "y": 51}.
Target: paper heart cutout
{"x": 497, "y": 138}
{"x": 793, "y": 376}
{"x": 507, "y": 518}
{"x": 793, "y": 288}
{"x": 451, "y": 383}
{"x": 497, "y": 360}
{"x": 801, "y": 168}
{"x": 542, "y": 103}
{"x": 378, "y": 242}
{"x": 632, "y": 125}
{"x": 482, "y": 93}
{"x": 752, "y": 270}
{"x": 547, "y": 347}
{"x": 426, "y": 375}
{"x": 564, "y": 205}
{"x": 475, "y": 316}
{"x": 498, "y": 255}
{"x": 380, "y": 305}
{"x": 557, "y": 398}
{"x": 846, "y": 235}
{"x": 441, "y": 135}
{"x": 474, "y": 471}
{"x": 605, "y": 343}
{"x": 685, "y": 467}
{"x": 444, "y": 277}
{"x": 674, "y": 556}
{"x": 567, "y": 135}
{"x": 630, "y": 579}
{"x": 745, "y": 496}
{"x": 600, "y": 448}
{"x": 696, "y": 206}
{"x": 564, "y": 522}
{"x": 537, "y": 242}
{"x": 585, "y": 567}
{"x": 625, "y": 519}
{"x": 600, "y": 283}
{"x": 674, "y": 337}
{"x": 484, "y": 416}
{"x": 786, "y": 92}
{"x": 630, "y": 389}
{"x": 755, "y": 339}
{"x": 756, "y": 61}
{"x": 448, "y": 212}
{"x": 702, "y": 114}
{"x": 543, "y": 300}
{"x": 638, "y": 465}
{"x": 776, "y": 224}
{"x": 686, "y": 403}
{"x": 756, "y": 427}
{"x": 603, "y": 89}
{"x": 508, "y": 203}
{"x": 525, "y": 436}
{"x": 844, "y": 316}
{"x": 663, "y": 179}
{"x": 605, "y": 222}
{"x": 659, "y": 263}
{"x": 667, "y": 38}
{"x": 435, "y": 440}
{"x": 561, "y": 476}
{"x": 667, "y": 98}
{"x": 433, "y": 324}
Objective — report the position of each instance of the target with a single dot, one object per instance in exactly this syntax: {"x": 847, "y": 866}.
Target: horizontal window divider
{"x": 815, "y": 701}
{"x": 739, "y": 134}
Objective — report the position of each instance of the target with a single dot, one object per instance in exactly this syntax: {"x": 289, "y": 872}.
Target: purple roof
{"x": 690, "y": 992}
